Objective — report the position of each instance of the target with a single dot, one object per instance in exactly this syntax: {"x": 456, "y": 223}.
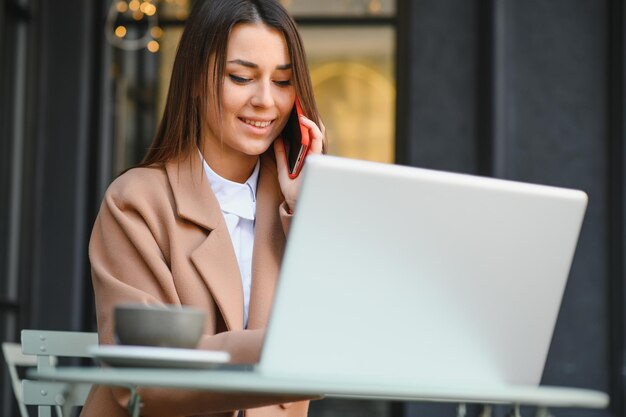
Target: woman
{"x": 202, "y": 222}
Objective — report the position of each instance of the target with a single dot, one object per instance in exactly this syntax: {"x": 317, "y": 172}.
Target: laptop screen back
{"x": 403, "y": 275}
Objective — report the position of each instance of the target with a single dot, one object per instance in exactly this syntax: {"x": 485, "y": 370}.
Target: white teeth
{"x": 257, "y": 123}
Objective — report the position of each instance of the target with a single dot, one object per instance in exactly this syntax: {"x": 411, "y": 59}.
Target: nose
{"x": 262, "y": 96}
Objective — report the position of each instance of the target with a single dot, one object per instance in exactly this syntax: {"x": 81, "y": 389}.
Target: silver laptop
{"x": 397, "y": 275}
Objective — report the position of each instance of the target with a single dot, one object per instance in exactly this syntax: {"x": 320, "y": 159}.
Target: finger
{"x": 323, "y": 128}
{"x": 315, "y": 134}
{"x": 279, "y": 153}
{"x": 324, "y": 139}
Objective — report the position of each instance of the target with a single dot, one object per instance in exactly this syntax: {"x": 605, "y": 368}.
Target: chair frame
{"x": 14, "y": 358}
{"x": 45, "y": 344}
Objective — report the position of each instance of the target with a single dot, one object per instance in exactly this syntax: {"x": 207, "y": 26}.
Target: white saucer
{"x": 158, "y": 357}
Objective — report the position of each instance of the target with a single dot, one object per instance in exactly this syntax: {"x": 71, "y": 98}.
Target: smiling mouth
{"x": 256, "y": 123}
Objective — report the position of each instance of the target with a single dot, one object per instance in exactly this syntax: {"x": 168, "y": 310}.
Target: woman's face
{"x": 258, "y": 93}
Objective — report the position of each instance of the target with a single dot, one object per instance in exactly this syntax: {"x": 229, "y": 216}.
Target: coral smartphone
{"x": 295, "y": 138}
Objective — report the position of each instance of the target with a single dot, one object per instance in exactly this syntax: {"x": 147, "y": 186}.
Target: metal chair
{"x": 14, "y": 358}
{"x": 45, "y": 345}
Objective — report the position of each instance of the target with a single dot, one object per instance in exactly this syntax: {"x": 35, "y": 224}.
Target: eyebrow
{"x": 253, "y": 65}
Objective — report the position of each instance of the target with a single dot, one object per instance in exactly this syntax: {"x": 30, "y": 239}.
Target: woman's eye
{"x": 284, "y": 83}
{"x": 237, "y": 79}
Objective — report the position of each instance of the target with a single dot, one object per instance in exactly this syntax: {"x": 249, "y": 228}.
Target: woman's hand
{"x": 288, "y": 186}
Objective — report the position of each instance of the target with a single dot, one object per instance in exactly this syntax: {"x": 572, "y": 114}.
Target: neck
{"x": 233, "y": 166}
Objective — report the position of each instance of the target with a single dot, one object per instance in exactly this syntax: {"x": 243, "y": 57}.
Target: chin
{"x": 256, "y": 149}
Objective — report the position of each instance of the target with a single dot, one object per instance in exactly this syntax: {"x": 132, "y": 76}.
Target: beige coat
{"x": 160, "y": 237}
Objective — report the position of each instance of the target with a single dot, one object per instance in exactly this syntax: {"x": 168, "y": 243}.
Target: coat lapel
{"x": 215, "y": 258}
{"x": 269, "y": 242}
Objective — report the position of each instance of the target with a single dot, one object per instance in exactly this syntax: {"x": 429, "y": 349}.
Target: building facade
{"x": 525, "y": 90}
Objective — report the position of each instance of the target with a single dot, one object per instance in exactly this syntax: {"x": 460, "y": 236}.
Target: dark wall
{"x": 49, "y": 73}
{"x": 65, "y": 113}
{"x": 531, "y": 90}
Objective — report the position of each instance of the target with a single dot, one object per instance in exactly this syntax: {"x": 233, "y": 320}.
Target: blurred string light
{"x": 374, "y": 7}
{"x": 120, "y": 31}
{"x": 153, "y": 46}
{"x": 156, "y": 32}
{"x": 138, "y": 10}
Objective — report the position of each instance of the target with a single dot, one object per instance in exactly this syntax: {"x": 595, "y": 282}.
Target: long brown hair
{"x": 205, "y": 37}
